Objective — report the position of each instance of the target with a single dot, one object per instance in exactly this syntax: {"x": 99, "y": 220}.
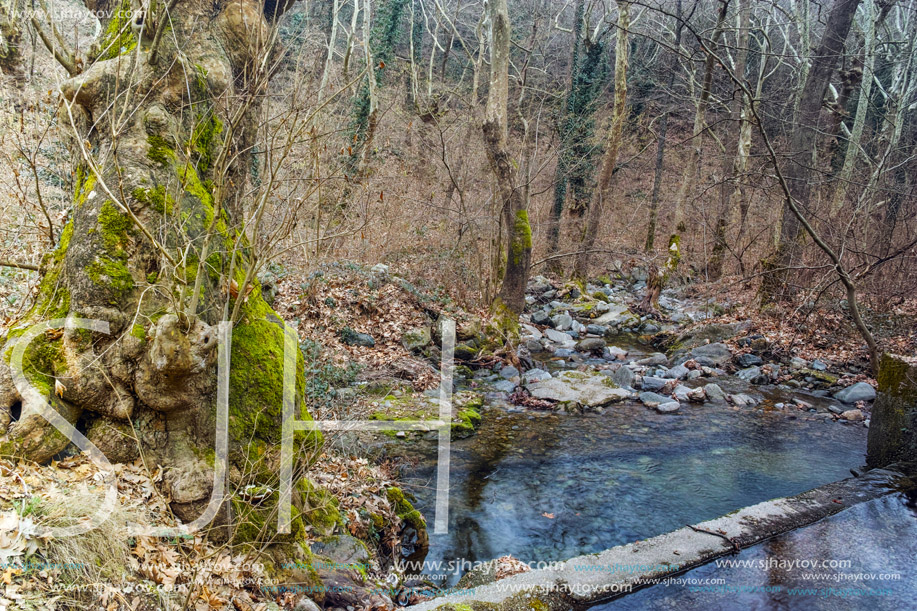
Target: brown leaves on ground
{"x": 507, "y": 566}
{"x": 382, "y": 306}
{"x": 523, "y": 398}
{"x": 40, "y": 568}
{"x": 822, "y": 332}
{"x": 361, "y": 492}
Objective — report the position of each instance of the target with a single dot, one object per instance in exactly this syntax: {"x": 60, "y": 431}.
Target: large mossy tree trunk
{"x": 165, "y": 119}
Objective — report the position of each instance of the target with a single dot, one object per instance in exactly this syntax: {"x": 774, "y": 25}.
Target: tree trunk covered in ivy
{"x": 650, "y": 243}
{"x": 386, "y": 29}
{"x": 576, "y": 161}
{"x": 166, "y": 126}
{"x": 602, "y": 193}
{"x": 564, "y": 130}
{"x": 511, "y": 299}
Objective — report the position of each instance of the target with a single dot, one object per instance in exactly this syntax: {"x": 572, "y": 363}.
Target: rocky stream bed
{"x": 614, "y": 426}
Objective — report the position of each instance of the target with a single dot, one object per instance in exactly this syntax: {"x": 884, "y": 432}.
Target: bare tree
{"x": 803, "y": 139}
{"x": 511, "y": 298}
{"x": 603, "y": 191}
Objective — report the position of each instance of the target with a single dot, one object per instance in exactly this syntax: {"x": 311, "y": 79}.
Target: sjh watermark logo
{"x": 35, "y": 402}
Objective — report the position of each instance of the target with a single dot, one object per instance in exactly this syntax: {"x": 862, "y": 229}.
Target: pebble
{"x": 599, "y": 330}
{"x": 509, "y": 372}
{"x": 652, "y": 383}
{"x": 678, "y": 372}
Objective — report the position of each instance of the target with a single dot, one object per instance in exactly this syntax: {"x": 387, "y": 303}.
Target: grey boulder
{"x": 861, "y": 391}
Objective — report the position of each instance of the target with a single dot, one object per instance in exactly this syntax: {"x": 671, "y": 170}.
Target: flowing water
{"x": 870, "y": 550}
{"x": 547, "y": 486}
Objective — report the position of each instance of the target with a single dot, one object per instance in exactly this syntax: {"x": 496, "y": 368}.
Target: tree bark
{"x": 560, "y": 172}
{"x": 871, "y": 23}
{"x": 619, "y": 114}
{"x": 733, "y": 167}
{"x": 802, "y": 147}
{"x": 165, "y": 170}
{"x": 660, "y": 144}
{"x": 700, "y": 123}
{"x": 510, "y": 300}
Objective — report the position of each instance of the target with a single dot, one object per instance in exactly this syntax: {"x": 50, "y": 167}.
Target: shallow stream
{"x": 546, "y": 486}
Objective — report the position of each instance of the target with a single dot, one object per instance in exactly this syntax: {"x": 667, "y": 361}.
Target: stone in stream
{"x": 798, "y": 363}
{"x": 535, "y": 375}
{"x": 749, "y": 374}
{"x": 591, "y": 344}
{"x": 599, "y": 330}
{"x": 617, "y": 353}
{"x": 742, "y": 400}
{"x": 558, "y": 336}
{"x": 541, "y": 318}
{"x": 748, "y": 360}
{"x": 563, "y": 353}
{"x": 534, "y": 346}
{"x": 623, "y": 376}
{"x": 819, "y": 365}
{"x": 651, "y": 399}
{"x": 509, "y": 372}
{"x": 714, "y": 392}
{"x": 678, "y": 372}
{"x": 834, "y": 409}
{"x": 562, "y": 322}
{"x": 685, "y": 394}
{"x": 712, "y": 355}
{"x": 616, "y": 312}
{"x": 505, "y": 386}
{"x": 861, "y": 391}
{"x": 589, "y": 389}
{"x": 681, "y": 392}
{"x": 668, "y": 408}
{"x": 652, "y": 383}
{"x": 853, "y": 415}
{"x": 530, "y": 330}
{"x": 657, "y": 358}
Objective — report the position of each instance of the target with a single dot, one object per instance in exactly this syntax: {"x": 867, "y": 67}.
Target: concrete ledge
{"x": 595, "y": 578}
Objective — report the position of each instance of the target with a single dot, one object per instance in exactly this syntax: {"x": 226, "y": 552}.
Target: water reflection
{"x": 549, "y": 487}
{"x": 868, "y": 553}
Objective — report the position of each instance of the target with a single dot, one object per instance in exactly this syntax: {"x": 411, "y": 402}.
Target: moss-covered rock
{"x": 893, "y": 424}
{"x": 410, "y": 517}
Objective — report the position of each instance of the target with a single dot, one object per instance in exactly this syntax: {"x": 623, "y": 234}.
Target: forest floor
{"x": 371, "y": 345}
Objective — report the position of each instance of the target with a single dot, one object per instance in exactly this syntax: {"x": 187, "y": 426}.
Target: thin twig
{"x": 735, "y": 546}
{"x": 160, "y": 30}
{"x": 18, "y": 265}
{"x": 64, "y": 60}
